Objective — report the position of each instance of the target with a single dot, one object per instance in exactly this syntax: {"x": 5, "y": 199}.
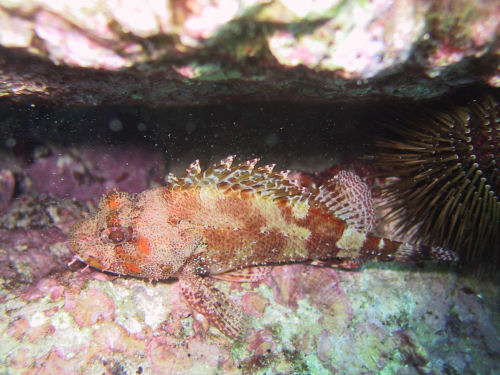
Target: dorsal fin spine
{"x": 194, "y": 168}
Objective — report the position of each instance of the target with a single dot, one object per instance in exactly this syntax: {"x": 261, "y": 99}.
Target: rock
{"x": 200, "y": 52}
{"x": 7, "y": 185}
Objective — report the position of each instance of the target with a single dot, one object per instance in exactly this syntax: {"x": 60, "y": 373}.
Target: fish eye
{"x": 116, "y": 235}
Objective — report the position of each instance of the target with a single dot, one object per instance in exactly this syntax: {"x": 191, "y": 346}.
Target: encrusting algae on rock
{"x": 230, "y": 222}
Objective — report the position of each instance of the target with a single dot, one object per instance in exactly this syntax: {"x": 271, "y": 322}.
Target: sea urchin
{"x": 447, "y": 166}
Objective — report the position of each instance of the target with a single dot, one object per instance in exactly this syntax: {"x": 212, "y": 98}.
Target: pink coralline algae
{"x": 320, "y": 285}
{"x": 7, "y": 185}
{"x": 254, "y": 304}
{"x": 261, "y": 342}
{"x": 89, "y": 307}
{"x": 90, "y": 172}
{"x": 45, "y": 287}
{"x": 169, "y": 357}
{"x": 116, "y": 339}
{"x": 23, "y": 329}
{"x": 29, "y": 255}
{"x": 33, "y": 236}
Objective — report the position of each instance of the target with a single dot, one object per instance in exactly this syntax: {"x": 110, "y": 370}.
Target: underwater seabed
{"x": 382, "y": 319}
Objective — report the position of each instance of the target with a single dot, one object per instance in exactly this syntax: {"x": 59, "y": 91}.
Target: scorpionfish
{"x": 231, "y": 217}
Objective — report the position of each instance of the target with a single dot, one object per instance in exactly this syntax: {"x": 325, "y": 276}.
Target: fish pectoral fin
{"x": 221, "y": 311}
{"x": 245, "y": 275}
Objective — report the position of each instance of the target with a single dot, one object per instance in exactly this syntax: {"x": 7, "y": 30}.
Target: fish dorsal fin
{"x": 243, "y": 178}
{"x": 349, "y": 199}
{"x": 191, "y": 177}
{"x": 345, "y": 195}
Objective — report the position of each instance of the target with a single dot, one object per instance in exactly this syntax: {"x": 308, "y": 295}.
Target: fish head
{"x": 129, "y": 234}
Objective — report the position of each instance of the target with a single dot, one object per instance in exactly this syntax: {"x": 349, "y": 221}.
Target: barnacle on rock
{"x": 447, "y": 166}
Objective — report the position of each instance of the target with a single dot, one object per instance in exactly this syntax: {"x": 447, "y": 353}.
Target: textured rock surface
{"x": 198, "y": 52}
{"x": 381, "y": 319}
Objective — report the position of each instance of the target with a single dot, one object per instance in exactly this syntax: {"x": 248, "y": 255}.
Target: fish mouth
{"x": 81, "y": 253}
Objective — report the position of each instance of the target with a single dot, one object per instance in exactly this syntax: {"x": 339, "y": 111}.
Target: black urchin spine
{"x": 447, "y": 168}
